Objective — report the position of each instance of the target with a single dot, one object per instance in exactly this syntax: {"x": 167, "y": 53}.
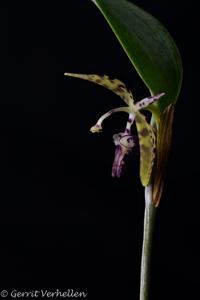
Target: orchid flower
{"x": 124, "y": 141}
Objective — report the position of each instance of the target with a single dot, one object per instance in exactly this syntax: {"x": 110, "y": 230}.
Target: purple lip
{"x": 124, "y": 145}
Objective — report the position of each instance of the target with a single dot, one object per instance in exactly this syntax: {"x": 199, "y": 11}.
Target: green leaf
{"x": 148, "y": 45}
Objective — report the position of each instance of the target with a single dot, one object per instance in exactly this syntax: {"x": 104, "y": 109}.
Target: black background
{"x": 65, "y": 223}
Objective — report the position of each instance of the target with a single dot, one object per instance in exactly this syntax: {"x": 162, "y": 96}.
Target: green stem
{"x": 149, "y": 217}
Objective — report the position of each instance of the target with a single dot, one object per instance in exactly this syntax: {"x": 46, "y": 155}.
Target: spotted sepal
{"x": 115, "y": 85}
{"x": 147, "y": 144}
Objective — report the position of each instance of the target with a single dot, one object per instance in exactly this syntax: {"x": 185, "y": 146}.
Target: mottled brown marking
{"x": 144, "y": 131}
{"x": 138, "y": 120}
{"x": 117, "y": 89}
{"x": 144, "y": 148}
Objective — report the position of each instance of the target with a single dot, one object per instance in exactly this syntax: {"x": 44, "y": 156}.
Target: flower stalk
{"x": 151, "y": 140}
{"x": 149, "y": 220}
